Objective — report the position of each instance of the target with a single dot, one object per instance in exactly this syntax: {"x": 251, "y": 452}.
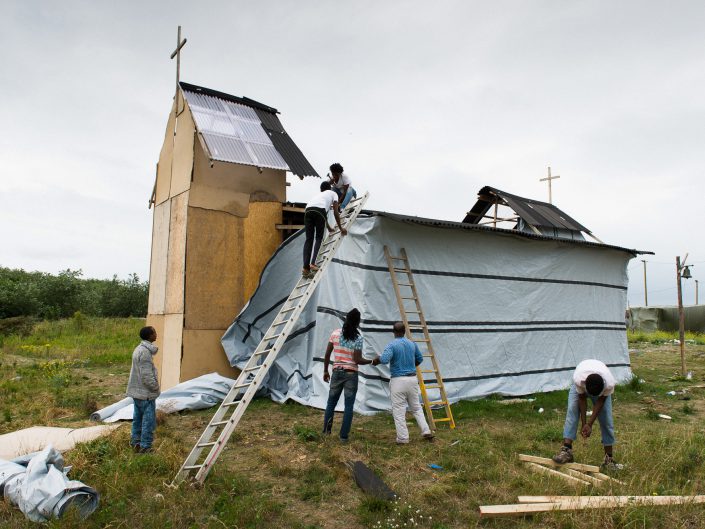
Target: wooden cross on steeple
{"x": 549, "y": 178}
{"x": 177, "y": 53}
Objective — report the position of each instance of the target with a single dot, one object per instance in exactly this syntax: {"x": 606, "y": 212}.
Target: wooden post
{"x": 646, "y": 297}
{"x": 681, "y": 315}
{"x": 495, "y": 215}
{"x": 177, "y": 53}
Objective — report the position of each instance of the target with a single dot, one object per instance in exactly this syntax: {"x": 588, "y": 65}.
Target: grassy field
{"x": 277, "y": 472}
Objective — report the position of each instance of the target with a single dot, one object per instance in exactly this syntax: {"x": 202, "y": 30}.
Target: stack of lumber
{"x": 575, "y": 473}
{"x": 537, "y": 504}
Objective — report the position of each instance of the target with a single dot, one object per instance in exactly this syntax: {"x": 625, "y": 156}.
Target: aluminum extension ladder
{"x": 226, "y": 418}
{"x": 413, "y": 329}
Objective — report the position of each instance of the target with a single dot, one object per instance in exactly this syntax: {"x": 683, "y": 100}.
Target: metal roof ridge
{"x": 228, "y": 97}
{"x": 467, "y": 226}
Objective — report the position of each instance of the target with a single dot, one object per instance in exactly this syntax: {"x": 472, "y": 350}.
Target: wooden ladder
{"x": 413, "y": 329}
{"x": 221, "y": 426}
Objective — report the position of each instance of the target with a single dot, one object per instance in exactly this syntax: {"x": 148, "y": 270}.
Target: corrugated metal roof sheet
{"x": 242, "y": 130}
{"x": 534, "y": 212}
{"x": 437, "y": 223}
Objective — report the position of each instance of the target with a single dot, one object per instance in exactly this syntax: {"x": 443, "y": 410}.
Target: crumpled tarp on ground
{"x": 41, "y": 490}
{"x": 36, "y": 438}
{"x": 197, "y": 394}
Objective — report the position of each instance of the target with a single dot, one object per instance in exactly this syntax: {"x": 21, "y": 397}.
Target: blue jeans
{"x": 348, "y": 196}
{"x": 340, "y": 381}
{"x": 144, "y": 420}
{"x": 572, "y": 419}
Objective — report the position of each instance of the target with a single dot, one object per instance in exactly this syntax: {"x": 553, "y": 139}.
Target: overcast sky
{"x": 422, "y": 102}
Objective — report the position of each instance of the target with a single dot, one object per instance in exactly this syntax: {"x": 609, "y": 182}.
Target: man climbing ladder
{"x": 214, "y": 438}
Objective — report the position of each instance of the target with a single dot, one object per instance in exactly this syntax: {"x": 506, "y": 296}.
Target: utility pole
{"x": 681, "y": 313}
{"x": 696, "y": 292}
{"x": 549, "y": 178}
{"x": 646, "y": 296}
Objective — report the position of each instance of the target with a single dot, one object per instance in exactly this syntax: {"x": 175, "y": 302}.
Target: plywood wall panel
{"x": 171, "y": 351}
{"x": 262, "y": 238}
{"x": 219, "y": 199}
{"x": 182, "y": 163}
{"x": 157, "y": 321}
{"x": 204, "y": 354}
{"x": 165, "y": 160}
{"x": 157, "y": 266}
{"x": 241, "y": 178}
{"x": 214, "y": 269}
{"x": 174, "y": 299}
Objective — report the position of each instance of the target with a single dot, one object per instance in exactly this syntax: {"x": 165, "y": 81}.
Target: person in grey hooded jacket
{"x": 143, "y": 387}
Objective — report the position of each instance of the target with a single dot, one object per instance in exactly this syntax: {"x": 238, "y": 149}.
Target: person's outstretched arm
{"x": 326, "y": 361}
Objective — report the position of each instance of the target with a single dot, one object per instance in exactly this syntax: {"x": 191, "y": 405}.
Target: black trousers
{"x": 314, "y": 223}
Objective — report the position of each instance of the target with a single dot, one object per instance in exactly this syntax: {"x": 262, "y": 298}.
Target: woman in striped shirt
{"x": 346, "y": 345}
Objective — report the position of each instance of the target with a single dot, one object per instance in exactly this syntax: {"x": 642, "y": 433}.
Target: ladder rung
{"x": 427, "y": 371}
{"x": 407, "y": 298}
{"x": 442, "y": 419}
{"x": 278, "y": 323}
{"x": 192, "y": 467}
{"x": 414, "y": 312}
{"x": 289, "y": 309}
{"x": 397, "y": 258}
{"x": 297, "y": 296}
{"x": 420, "y": 340}
{"x": 228, "y": 404}
{"x": 432, "y": 386}
{"x": 263, "y": 352}
{"x": 329, "y": 241}
{"x": 273, "y": 337}
{"x": 404, "y": 285}
{"x": 240, "y": 386}
{"x": 403, "y": 270}
{"x": 203, "y": 445}
{"x": 219, "y": 423}
{"x": 438, "y": 402}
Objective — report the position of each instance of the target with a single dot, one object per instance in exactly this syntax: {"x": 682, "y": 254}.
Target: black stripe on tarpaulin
{"x": 505, "y": 330}
{"x": 300, "y": 373}
{"x": 340, "y": 314}
{"x": 302, "y": 330}
{"x": 260, "y": 316}
{"x": 482, "y": 377}
{"x": 481, "y": 276}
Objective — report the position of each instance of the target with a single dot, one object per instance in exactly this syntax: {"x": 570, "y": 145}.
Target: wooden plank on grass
{"x": 583, "y": 476}
{"x": 549, "y": 471}
{"x": 574, "y": 503}
{"x": 551, "y": 463}
{"x": 605, "y": 477}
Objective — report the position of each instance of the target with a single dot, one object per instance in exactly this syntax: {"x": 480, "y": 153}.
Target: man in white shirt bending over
{"x": 593, "y": 379}
{"x": 342, "y": 184}
{"x": 315, "y": 221}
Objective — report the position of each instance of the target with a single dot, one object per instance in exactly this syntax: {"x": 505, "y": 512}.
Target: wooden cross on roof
{"x": 549, "y": 178}
{"x": 177, "y": 53}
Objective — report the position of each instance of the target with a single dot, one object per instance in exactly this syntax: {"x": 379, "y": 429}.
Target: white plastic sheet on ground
{"x": 507, "y": 314}
{"x": 197, "y": 394}
{"x": 41, "y": 490}
{"x": 35, "y": 438}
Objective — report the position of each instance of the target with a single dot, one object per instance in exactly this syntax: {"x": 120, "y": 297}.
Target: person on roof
{"x": 341, "y": 184}
{"x": 403, "y": 356}
{"x": 315, "y": 219}
{"x": 346, "y": 345}
{"x": 593, "y": 379}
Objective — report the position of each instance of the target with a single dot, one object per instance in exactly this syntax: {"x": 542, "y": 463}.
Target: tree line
{"x": 49, "y": 296}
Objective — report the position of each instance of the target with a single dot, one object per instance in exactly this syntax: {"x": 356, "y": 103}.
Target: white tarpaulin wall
{"x": 507, "y": 314}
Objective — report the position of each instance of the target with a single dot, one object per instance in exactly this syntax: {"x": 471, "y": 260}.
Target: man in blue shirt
{"x": 403, "y": 356}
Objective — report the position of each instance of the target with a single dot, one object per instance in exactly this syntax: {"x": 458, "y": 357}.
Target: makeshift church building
{"x": 220, "y": 185}
{"x": 510, "y": 311}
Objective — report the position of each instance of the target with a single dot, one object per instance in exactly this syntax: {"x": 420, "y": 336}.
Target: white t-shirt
{"x": 323, "y": 200}
{"x": 590, "y": 367}
{"x": 343, "y": 181}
